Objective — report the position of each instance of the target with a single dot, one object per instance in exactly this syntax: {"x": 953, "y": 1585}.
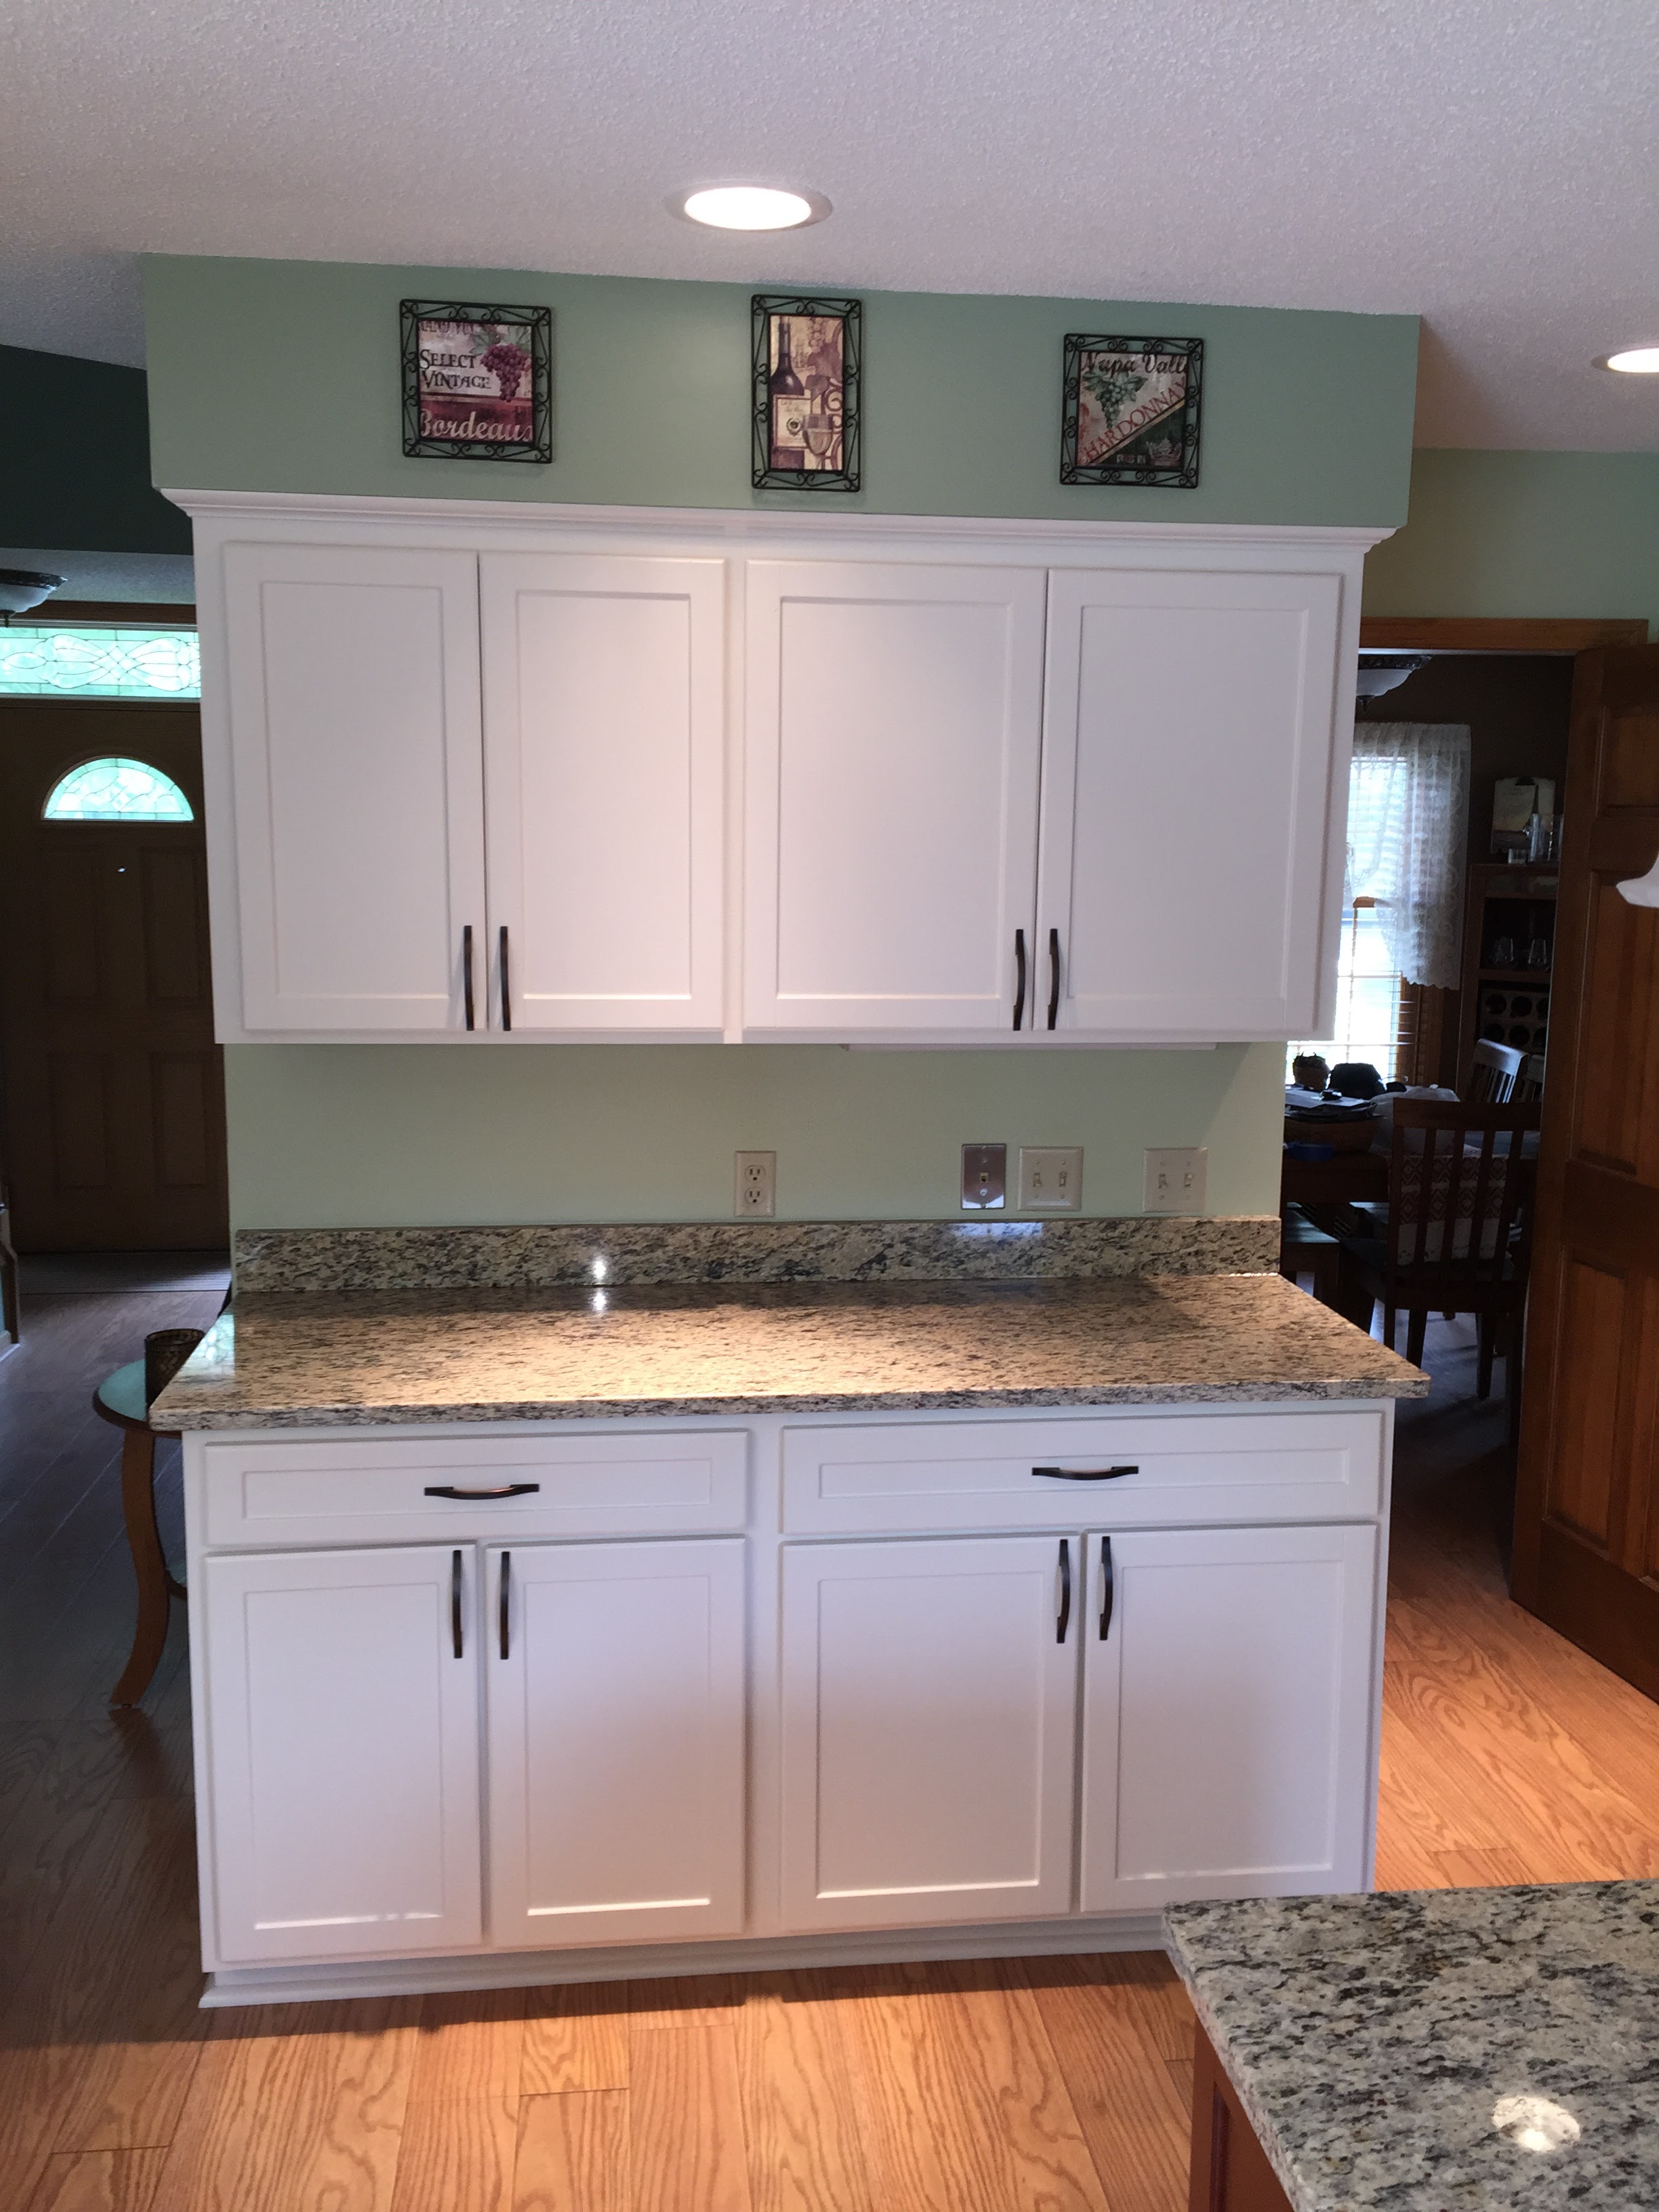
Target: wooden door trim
{"x": 1494, "y": 634}
{"x": 112, "y": 614}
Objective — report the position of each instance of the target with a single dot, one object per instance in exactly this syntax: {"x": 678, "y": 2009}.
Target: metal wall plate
{"x": 984, "y": 1178}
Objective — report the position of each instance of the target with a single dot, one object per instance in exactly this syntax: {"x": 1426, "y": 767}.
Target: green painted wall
{"x": 283, "y": 376}
{"x": 76, "y": 469}
{"x": 327, "y": 1135}
{"x": 1494, "y": 533}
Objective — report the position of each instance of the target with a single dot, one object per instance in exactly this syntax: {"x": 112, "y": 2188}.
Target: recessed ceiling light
{"x": 750, "y": 206}
{"x": 1632, "y": 361}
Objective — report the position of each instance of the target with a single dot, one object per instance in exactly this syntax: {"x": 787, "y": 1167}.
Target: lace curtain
{"x": 1408, "y": 805}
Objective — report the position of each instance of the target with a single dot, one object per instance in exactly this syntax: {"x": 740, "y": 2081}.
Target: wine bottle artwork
{"x": 807, "y": 394}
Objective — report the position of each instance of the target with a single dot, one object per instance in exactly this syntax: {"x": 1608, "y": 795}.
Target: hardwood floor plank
{"x": 101, "y": 2181}
{"x": 293, "y": 2114}
{"x": 574, "y": 2039}
{"x": 687, "y": 2150}
{"x": 1476, "y": 1869}
{"x": 460, "y": 2128}
{"x": 1118, "y": 2039}
{"x": 573, "y": 2154}
{"x": 688, "y": 2001}
{"x": 797, "y": 2036}
{"x": 1001, "y": 2041}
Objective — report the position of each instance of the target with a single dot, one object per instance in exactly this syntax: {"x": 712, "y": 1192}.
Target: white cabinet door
{"x": 929, "y": 1702}
{"x": 358, "y": 784}
{"x": 343, "y": 1751}
{"x": 604, "y": 706}
{"x": 614, "y": 1688}
{"x": 1228, "y": 1722}
{"x": 1189, "y": 748}
{"x": 893, "y": 729}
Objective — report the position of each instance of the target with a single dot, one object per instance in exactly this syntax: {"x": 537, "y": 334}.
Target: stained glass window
{"x": 117, "y": 791}
{"x": 39, "y": 661}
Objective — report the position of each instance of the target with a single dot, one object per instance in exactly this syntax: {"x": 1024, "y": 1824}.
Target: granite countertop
{"x": 485, "y": 1354}
{"x": 1441, "y": 2050}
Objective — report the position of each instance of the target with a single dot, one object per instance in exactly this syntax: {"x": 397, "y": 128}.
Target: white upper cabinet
{"x": 1187, "y": 781}
{"x": 893, "y": 731}
{"x": 603, "y": 702}
{"x": 356, "y": 784}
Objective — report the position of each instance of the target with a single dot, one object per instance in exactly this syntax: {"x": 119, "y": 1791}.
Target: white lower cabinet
{"x": 586, "y": 1711}
{"x": 929, "y": 1709}
{"x": 343, "y": 1751}
{"x": 615, "y": 1689}
{"x": 1227, "y": 1703}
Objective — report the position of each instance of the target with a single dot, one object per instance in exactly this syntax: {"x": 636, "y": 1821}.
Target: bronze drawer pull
{"x": 506, "y": 1490}
{"x": 1085, "y": 1474}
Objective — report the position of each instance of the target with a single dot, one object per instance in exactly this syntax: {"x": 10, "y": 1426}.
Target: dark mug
{"x": 166, "y": 1350}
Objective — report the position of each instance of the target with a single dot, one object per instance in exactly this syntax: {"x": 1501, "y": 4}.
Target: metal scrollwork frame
{"x": 538, "y": 321}
{"x": 1184, "y": 477}
{"x": 850, "y": 314}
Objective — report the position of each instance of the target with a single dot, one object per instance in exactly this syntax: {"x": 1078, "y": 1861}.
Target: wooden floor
{"x": 1507, "y": 1756}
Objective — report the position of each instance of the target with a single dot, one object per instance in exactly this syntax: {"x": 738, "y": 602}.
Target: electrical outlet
{"x": 757, "y": 1193}
{"x": 1175, "y": 1177}
{"x": 1050, "y": 1178}
{"x": 984, "y": 1178}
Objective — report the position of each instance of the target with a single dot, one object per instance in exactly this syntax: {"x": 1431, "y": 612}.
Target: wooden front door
{"x": 113, "y": 1088}
{"x": 1586, "y": 1516}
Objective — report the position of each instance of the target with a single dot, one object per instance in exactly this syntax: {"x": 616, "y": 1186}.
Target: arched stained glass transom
{"x": 112, "y": 790}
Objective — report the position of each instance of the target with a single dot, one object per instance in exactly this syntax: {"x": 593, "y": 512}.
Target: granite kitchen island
{"x": 573, "y": 1604}
{"x": 1433, "y": 2051}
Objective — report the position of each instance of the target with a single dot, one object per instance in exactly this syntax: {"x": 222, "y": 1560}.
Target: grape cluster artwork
{"x": 478, "y": 381}
{"x": 1129, "y": 411}
{"x": 807, "y": 376}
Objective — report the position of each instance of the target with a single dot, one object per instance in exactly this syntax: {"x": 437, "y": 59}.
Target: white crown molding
{"x": 539, "y": 519}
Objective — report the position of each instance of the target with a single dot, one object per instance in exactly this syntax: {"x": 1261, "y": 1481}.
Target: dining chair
{"x": 1459, "y": 1180}
{"x": 1493, "y": 1069}
{"x": 1529, "y": 1084}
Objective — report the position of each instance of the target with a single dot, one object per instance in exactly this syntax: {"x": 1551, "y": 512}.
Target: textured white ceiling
{"x": 1488, "y": 164}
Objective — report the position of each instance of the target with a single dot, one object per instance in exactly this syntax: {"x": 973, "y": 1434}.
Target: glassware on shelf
{"x": 1503, "y": 952}
{"x": 1538, "y": 952}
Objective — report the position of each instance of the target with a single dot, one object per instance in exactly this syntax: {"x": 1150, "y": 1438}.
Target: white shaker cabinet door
{"x": 1190, "y": 750}
{"x": 603, "y": 708}
{"x": 615, "y": 1689}
{"x": 342, "y": 1750}
{"x": 1228, "y": 1733}
{"x": 929, "y": 1702}
{"x": 893, "y": 729}
{"x": 358, "y": 785}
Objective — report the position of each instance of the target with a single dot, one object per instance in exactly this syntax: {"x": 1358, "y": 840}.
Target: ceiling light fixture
{"x": 1631, "y": 361}
{"x": 749, "y": 207}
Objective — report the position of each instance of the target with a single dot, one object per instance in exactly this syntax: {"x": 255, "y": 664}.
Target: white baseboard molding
{"x": 513, "y": 1970}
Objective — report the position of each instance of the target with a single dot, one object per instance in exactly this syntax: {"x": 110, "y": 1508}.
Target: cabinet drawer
{"x": 317, "y": 1492}
{"x": 988, "y": 1474}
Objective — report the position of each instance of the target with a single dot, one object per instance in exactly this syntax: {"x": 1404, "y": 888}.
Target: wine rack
{"x": 1509, "y": 948}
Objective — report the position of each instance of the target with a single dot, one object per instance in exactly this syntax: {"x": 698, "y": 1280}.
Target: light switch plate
{"x": 1175, "y": 1177}
{"x": 755, "y": 1196}
{"x": 1050, "y": 1178}
{"x": 984, "y": 1178}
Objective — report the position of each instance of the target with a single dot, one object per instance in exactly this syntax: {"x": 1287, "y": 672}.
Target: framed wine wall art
{"x": 478, "y": 381}
{"x": 1129, "y": 411}
{"x": 807, "y": 392}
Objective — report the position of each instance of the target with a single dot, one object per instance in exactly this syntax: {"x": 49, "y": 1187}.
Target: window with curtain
{"x": 1402, "y": 900}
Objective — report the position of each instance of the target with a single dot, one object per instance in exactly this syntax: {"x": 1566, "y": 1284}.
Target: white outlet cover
{"x": 1176, "y": 1178}
{"x": 754, "y": 1186}
{"x": 1050, "y": 1178}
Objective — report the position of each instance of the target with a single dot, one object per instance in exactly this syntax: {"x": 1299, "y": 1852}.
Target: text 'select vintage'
{"x": 478, "y": 381}
{"x": 806, "y": 395}
{"x": 1129, "y": 411}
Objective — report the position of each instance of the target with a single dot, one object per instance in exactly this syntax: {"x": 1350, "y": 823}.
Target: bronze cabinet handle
{"x": 506, "y": 1489}
{"x": 455, "y": 1604}
{"x": 507, "y": 1605}
{"x": 507, "y": 993}
{"x": 1083, "y": 1473}
{"x": 1065, "y": 1620}
{"x": 1107, "y": 1587}
{"x": 466, "y": 973}
{"x": 1019, "y": 977}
